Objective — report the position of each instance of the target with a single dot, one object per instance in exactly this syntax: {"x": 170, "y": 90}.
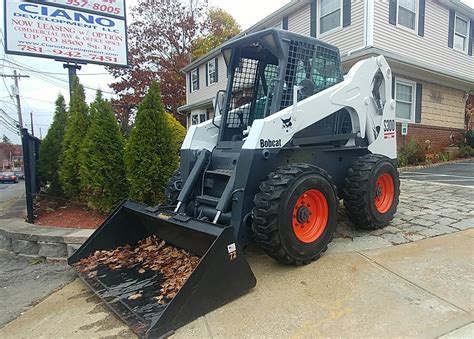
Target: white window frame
{"x": 194, "y": 71}
{"x": 209, "y": 83}
{"x": 417, "y": 10}
{"x": 413, "y": 103}
{"x": 466, "y": 45}
{"x": 335, "y": 29}
{"x": 198, "y": 115}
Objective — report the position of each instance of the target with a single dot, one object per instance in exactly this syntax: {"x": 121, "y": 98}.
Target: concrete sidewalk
{"x": 422, "y": 289}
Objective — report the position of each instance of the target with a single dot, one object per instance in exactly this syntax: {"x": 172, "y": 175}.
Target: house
{"x": 428, "y": 44}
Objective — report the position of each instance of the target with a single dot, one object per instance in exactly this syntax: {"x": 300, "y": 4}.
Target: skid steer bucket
{"x": 135, "y": 294}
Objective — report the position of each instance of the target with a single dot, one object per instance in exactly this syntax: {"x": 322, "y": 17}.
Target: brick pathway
{"x": 425, "y": 210}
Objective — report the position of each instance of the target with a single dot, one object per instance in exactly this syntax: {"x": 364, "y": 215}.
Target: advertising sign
{"x": 66, "y": 33}
{"x": 110, "y": 7}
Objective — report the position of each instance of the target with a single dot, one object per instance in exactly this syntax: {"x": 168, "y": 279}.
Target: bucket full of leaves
{"x": 158, "y": 271}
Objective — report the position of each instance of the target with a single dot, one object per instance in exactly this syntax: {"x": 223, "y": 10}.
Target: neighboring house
{"x": 428, "y": 44}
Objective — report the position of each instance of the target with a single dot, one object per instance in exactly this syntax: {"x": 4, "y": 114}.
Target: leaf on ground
{"x": 135, "y": 296}
{"x": 141, "y": 271}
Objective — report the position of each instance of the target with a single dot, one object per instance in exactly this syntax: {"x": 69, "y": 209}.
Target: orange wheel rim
{"x": 384, "y": 192}
{"x": 310, "y": 216}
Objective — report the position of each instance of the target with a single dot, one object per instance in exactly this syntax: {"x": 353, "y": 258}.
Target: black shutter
{"x": 421, "y": 18}
{"x": 471, "y": 38}
{"x": 217, "y": 69}
{"x": 314, "y": 16}
{"x": 346, "y": 13}
{"x": 393, "y": 87}
{"x": 207, "y": 73}
{"x": 197, "y": 71}
{"x": 190, "y": 82}
{"x": 419, "y": 92}
{"x": 452, "y": 15}
{"x": 284, "y": 22}
{"x": 392, "y": 12}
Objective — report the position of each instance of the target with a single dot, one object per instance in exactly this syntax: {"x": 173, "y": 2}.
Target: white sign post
{"x": 82, "y": 31}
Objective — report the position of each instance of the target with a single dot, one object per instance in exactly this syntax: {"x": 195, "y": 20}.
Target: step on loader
{"x": 291, "y": 137}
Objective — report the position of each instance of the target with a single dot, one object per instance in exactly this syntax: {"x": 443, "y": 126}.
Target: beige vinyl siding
{"x": 442, "y": 106}
{"x": 432, "y": 49}
{"x": 300, "y": 21}
{"x": 206, "y": 92}
{"x": 351, "y": 37}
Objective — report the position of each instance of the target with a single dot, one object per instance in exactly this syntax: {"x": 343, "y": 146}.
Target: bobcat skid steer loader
{"x": 290, "y": 138}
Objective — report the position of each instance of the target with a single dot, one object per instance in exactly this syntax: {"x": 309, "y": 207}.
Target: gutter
{"x": 367, "y": 51}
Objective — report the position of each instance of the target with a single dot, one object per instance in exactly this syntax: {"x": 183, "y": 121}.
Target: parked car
{"x": 20, "y": 174}
{"x": 8, "y": 177}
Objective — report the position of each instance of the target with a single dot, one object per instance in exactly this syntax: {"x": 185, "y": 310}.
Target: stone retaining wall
{"x": 39, "y": 241}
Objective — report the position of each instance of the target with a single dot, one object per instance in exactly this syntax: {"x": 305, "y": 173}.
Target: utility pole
{"x": 31, "y": 120}
{"x": 16, "y": 93}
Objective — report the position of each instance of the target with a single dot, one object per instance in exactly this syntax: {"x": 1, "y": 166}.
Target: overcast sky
{"x": 39, "y": 92}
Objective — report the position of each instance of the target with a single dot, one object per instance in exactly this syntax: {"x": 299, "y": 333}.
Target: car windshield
{"x": 7, "y": 173}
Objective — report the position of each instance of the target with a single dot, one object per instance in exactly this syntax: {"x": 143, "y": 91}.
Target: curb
{"x": 414, "y": 168}
{"x": 51, "y": 243}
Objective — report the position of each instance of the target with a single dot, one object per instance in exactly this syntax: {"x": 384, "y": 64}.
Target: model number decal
{"x": 388, "y": 125}
{"x": 389, "y": 129}
{"x": 270, "y": 143}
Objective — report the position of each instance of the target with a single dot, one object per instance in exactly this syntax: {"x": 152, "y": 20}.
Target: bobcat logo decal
{"x": 287, "y": 124}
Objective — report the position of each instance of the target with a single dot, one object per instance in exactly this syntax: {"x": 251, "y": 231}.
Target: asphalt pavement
{"x": 24, "y": 282}
{"x": 453, "y": 174}
{"x": 12, "y": 200}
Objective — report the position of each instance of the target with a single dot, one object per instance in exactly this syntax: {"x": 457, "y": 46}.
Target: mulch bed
{"x": 59, "y": 213}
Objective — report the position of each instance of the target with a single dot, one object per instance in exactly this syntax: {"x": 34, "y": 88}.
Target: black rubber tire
{"x": 359, "y": 191}
{"x": 173, "y": 188}
{"x": 272, "y": 213}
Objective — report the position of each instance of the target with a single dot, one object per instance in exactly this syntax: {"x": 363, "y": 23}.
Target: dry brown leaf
{"x": 141, "y": 271}
{"x": 135, "y": 296}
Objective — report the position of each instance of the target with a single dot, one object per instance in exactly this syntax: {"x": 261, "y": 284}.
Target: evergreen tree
{"x": 179, "y": 132}
{"x": 76, "y": 130}
{"x": 50, "y": 149}
{"x": 150, "y": 154}
{"x": 102, "y": 169}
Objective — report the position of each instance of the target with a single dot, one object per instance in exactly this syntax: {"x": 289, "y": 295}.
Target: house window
{"x": 407, "y": 13}
{"x": 330, "y": 15}
{"x": 198, "y": 117}
{"x": 211, "y": 72}
{"x": 405, "y": 98}
{"x": 461, "y": 29}
{"x": 194, "y": 79}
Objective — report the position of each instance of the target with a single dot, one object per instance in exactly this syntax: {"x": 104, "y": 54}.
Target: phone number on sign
{"x": 70, "y": 54}
{"x": 104, "y": 8}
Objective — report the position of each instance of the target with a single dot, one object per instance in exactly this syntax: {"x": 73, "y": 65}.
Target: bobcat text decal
{"x": 270, "y": 143}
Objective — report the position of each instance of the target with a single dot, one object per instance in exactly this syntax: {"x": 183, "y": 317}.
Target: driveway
{"x": 457, "y": 174}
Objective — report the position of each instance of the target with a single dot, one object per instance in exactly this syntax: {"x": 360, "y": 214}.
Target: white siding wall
{"x": 206, "y": 92}
{"x": 300, "y": 21}
{"x": 351, "y": 37}
{"x": 431, "y": 49}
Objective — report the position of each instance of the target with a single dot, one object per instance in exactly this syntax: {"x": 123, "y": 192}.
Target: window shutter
{"x": 392, "y": 12}
{"x": 452, "y": 15}
{"x": 346, "y": 13}
{"x": 419, "y": 92}
{"x": 284, "y": 23}
{"x": 190, "y": 82}
{"x": 207, "y": 73}
{"x": 197, "y": 71}
{"x": 217, "y": 69}
{"x": 393, "y": 87}
{"x": 421, "y": 18}
{"x": 314, "y": 18}
{"x": 471, "y": 38}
